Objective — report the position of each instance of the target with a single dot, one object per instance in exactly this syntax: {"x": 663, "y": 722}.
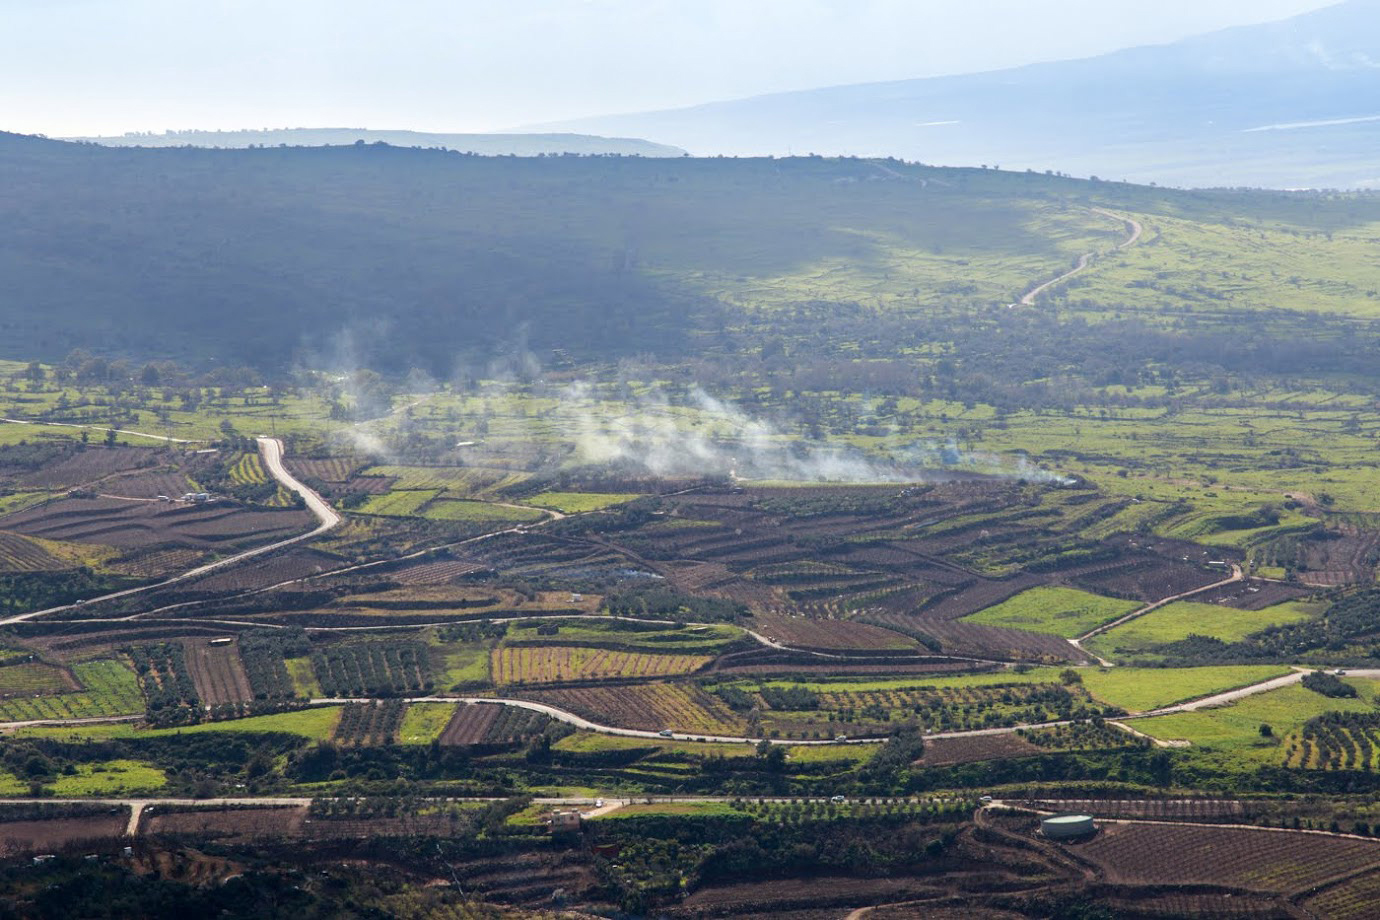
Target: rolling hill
{"x": 397, "y": 258}
{"x": 1290, "y": 104}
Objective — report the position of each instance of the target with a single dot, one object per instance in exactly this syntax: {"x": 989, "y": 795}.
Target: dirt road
{"x": 1133, "y": 230}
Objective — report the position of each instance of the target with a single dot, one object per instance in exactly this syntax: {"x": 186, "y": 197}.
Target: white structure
{"x": 1066, "y": 827}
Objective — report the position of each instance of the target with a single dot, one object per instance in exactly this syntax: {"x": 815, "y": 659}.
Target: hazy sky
{"x": 74, "y": 67}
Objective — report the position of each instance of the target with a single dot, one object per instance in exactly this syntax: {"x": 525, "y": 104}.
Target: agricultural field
{"x": 522, "y": 665}
{"x": 110, "y": 778}
{"x": 465, "y": 510}
{"x": 578, "y": 502}
{"x": 1240, "y": 858}
{"x": 1236, "y": 728}
{"x": 365, "y": 724}
{"x": 423, "y": 723}
{"x": 650, "y": 707}
{"x": 107, "y": 688}
{"x": 1181, "y": 619}
{"x": 1061, "y": 611}
{"x": 33, "y": 678}
{"x": 217, "y": 673}
{"x": 400, "y": 503}
{"x": 373, "y": 668}
{"x": 490, "y": 724}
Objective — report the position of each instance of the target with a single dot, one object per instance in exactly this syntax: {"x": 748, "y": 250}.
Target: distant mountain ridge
{"x": 485, "y": 144}
{"x": 1288, "y": 104}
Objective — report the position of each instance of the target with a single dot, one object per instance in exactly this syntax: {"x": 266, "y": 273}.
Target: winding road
{"x": 1133, "y": 230}
{"x": 271, "y": 450}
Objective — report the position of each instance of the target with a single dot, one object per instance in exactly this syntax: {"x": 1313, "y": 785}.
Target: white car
{"x": 838, "y": 800}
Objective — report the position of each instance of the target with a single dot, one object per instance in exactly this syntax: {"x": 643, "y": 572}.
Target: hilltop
{"x": 523, "y": 145}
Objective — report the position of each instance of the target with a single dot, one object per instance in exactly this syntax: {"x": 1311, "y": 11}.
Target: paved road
{"x": 1207, "y": 702}
{"x": 1134, "y": 231}
{"x": 271, "y": 449}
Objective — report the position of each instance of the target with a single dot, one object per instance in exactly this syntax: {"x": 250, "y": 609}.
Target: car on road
{"x": 838, "y": 799}
{"x": 666, "y": 733}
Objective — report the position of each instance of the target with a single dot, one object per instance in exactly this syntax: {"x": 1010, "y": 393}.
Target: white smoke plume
{"x": 709, "y": 436}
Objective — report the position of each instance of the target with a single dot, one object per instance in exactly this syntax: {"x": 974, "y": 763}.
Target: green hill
{"x": 407, "y": 257}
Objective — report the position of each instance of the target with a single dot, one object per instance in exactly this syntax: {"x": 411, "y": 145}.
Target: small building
{"x": 1067, "y": 827}
{"x": 565, "y": 821}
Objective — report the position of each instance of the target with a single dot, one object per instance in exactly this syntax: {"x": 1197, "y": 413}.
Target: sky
{"x": 87, "y": 67}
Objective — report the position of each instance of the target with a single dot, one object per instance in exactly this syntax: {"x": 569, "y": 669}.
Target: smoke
{"x": 707, "y": 436}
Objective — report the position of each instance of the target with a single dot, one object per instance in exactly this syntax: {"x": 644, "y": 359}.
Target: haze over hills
{"x": 485, "y": 144}
{"x": 400, "y": 258}
{"x": 1290, "y": 104}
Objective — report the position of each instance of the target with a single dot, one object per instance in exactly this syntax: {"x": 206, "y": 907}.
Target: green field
{"x": 462, "y": 665}
{"x": 110, "y": 690}
{"x": 464, "y": 510}
{"x": 575, "y": 502}
{"x": 424, "y": 722}
{"x": 1238, "y": 726}
{"x": 398, "y": 503}
{"x": 31, "y": 678}
{"x": 1134, "y": 689}
{"x": 1059, "y": 611}
{"x": 1184, "y": 618}
{"x": 304, "y": 681}
{"x": 110, "y": 778}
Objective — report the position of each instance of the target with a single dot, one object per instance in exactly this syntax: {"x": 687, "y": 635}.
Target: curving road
{"x": 271, "y": 450}
{"x": 1133, "y": 230}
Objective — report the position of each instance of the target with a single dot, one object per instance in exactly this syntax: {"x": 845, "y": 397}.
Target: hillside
{"x": 398, "y": 258}
{"x": 523, "y": 145}
{"x": 1286, "y": 105}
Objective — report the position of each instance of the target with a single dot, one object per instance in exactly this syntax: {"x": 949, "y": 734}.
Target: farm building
{"x": 565, "y": 821}
{"x": 1067, "y": 827}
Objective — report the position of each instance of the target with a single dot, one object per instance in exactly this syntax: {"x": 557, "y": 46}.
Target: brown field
{"x": 956, "y": 637}
{"x": 1261, "y": 860}
{"x": 555, "y": 664}
{"x": 89, "y": 465}
{"x": 1252, "y": 594}
{"x": 1146, "y": 578}
{"x": 154, "y": 562}
{"x": 942, "y": 752}
{"x": 470, "y": 724}
{"x": 829, "y": 635}
{"x": 489, "y": 723}
{"x": 1353, "y": 899}
{"x": 275, "y": 568}
{"x": 146, "y": 485}
{"x": 130, "y": 525}
{"x": 435, "y": 573}
{"x": 650, "y": 707}
{"x": 225, "y": 823}
{"x": 20, "y": 555}
{"x": 217, "y": 673}
{"x": 54, "y": 833}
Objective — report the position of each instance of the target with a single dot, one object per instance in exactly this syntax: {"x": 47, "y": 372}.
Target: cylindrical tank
{"x": 1065, "y": 827}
